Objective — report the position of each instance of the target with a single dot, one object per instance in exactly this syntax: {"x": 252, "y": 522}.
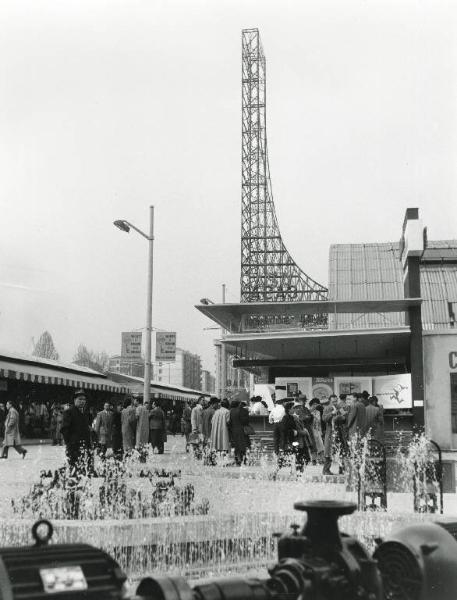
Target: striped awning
{"x": 50, "y": 376}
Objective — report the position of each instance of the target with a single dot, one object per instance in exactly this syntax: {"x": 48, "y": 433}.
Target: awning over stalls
{"x": 33, "y": 369}
{"x": 169, "y": 389}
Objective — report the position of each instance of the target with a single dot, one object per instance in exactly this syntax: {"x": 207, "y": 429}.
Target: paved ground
{"x": 223, "y": 485}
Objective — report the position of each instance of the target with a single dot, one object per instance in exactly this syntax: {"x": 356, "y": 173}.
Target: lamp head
{"x": 122, "y": 225}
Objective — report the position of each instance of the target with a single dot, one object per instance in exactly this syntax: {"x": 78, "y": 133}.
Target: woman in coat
{"x": 328, "y": 418}
{"x": 239, "y": 419}
{"x": 128, "y": 420}
{"x": 12, "y": 437}
{"x": 117, "y": 432}
{"x": 186, "y": 424}
{"x": 220, "y": 441}
{"x": 157, "y": 428}
{"x": 142, "y": 427}
{"x": 318, "y": 453}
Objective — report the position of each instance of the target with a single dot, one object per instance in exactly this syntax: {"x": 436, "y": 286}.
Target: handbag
{"x": 248, "y": 430}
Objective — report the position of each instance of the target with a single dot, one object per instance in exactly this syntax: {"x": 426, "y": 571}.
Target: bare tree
{"x": 45, "y": 348}
{"x": 98, "y": 361}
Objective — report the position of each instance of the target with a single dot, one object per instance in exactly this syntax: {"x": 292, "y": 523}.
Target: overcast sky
{"x": 109, "y": 106}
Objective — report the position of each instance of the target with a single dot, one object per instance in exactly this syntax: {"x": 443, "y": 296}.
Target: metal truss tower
{"x": 268, "y": 272}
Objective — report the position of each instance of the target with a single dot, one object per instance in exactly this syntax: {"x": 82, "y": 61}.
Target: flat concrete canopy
{"x": 229, "y": 316}
{"x": 363, "y": 346}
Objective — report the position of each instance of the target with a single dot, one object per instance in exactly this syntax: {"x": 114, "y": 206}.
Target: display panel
{"x": 393, "y": 391}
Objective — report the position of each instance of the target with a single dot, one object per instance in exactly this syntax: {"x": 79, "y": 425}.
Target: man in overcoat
{"x": 104, "y": 429}
{"x": 76, "y": 435}
{"x": 239, "y": 420}
{"x": 12, "y": 436}
{"x": 328, "y": 416}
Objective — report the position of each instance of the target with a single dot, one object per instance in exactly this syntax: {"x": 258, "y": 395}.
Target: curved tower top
{"x": 268, "y": 272}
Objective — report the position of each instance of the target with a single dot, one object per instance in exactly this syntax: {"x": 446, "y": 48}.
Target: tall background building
{"x": 186, "y": 370}
{"x": 208, "y": 382}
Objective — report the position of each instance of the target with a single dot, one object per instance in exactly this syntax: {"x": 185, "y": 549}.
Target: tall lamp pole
{"x": 124, "y": 225}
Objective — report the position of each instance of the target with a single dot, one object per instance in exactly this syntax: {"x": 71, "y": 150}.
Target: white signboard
{"x": 288, "y": 387}
{"x": 165, "y": 346}
{"x": 131, "y": 344}
{"x": 393, "y": 391}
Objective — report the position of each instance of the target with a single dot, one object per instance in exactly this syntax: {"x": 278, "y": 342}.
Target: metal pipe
{"x": 147, "y": 357}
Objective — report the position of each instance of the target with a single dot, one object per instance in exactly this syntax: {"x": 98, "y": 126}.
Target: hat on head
{"x": 325, "y": 400}
{"x": 79, "y": 394}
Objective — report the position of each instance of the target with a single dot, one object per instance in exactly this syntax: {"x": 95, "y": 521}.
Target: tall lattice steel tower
{"x": 268, "y": 272}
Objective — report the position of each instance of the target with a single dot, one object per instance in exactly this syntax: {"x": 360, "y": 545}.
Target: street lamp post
{"x": 126, "y": 226}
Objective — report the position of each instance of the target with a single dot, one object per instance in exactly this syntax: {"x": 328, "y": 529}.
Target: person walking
{"x": 117, "y": 432}
{"x": 142, "y": 425}
{"x": 76, "y": 434}
{"x": 303, "y": 419}
{"x": 12, "y": 435}
{"x": 239, "y": 423}
{"x": 379, "y": 430}
{"x": 196, "y": 417}
{"x": 275, "y": 418}
{"x": 3, "y": 419}
{"x": 341, "y": 432}
{"x": 328, "y": 416}
{"x": 373, "y": 418}
{"x": 157, "y": 427}
{"x": 357, "y": 417}
{"x": 104, "y": 429}
{"x": 56, "y": 424}
{"x": 207, "y": 417}
{"x": 220, "y": 439}
{"x": 186, "y": 423}
{"x": 128, "y": 422}
{"x": 287, "y": 431}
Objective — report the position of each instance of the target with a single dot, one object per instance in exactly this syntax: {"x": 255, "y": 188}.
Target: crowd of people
{"x": 313, "y": 431}
{"x": 317, "y": 431}
{"x": 219, "y": 426}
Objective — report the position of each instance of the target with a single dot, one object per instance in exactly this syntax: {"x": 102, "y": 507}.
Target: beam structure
{"x": 268, "y": 272}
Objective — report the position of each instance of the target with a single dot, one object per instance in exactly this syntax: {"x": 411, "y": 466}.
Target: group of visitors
{"x": 219, "y": 426}
{"x": 317, "y": 431}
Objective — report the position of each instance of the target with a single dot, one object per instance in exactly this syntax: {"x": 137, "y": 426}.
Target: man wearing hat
{"x": 76, "y": 434}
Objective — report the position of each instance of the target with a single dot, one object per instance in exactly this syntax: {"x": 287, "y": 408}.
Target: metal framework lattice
{"x": 268, "y": 272}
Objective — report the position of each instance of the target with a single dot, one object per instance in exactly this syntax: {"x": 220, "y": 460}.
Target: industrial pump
{"x": 317, "y": 563}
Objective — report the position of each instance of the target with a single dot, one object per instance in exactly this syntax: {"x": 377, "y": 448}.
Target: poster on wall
{"x": 287, "y": 387}
{"x": 393, "y": 391}
{"x": 350, "y": 385}
{"x": 323, "y": 387}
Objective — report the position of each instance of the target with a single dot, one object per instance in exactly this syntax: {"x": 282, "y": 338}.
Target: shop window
{"x": 454, "y": 402}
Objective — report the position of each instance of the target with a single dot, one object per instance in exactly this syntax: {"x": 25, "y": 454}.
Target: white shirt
{"x": 259, "y": 409}
{"x": 277, "y": 414}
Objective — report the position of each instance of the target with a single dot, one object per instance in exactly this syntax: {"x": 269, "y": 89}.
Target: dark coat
{"x": 104, "y": 428}
{"x": 186, "y": 426}
{"x": 287, "y": 429}
{"x": 306, "y": 421}
{"x": 76, "y": 427}
{"x": 157, "y": 419}
{"x": 208, "y": 414}
{"x": 357, "y": 419}
{"x": 239, "y": 418}
{"x": 327, "y": 418}
{"x": 117, "y": 432}
{"x": 374, "y": 420}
